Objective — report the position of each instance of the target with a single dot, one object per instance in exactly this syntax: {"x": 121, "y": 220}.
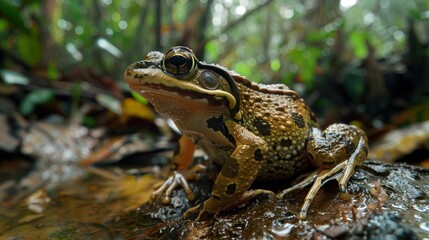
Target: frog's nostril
{"x": 140, "y": 64}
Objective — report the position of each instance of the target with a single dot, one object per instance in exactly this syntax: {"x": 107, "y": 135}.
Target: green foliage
{"x": 243, "y": 68}
{"x": 275, "y": 65}
{"x": 305, "y": 57}
{"x": 52, "y": 72}
{"x": 212, "y": 50}
{"x": 358, "y": 42}
{"x": 266, "y": 41}
{"x": 12, "y": 14}
{"x": 29, "y": 47}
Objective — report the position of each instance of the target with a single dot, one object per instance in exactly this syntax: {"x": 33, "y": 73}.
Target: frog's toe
{"x": 167, "y": 187}
{"x": 304, "y": 183}
{"x": 345, "y": 196}
{"x": 318, "y": 178}
{"x": 192, "y": 211}
{"x": 343, "y": 189}
{"x": 160, "y": 190}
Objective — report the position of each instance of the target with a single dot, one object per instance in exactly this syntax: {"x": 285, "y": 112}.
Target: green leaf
{"x": 357, "y": 41}
{"x": 53, "y": 73}
{"x": 305, "y": 59}
{"x": 3, "y": 25}
{"x": 287, "y": 78}
{"x": 243, "y": 69}
{"x": 89, "y": 121}
{"x": 275, "y": 65}
{"x": 139, "y": 97}
{"x": 35, "y": 98}
{"x": 212, "y": 51}
{"x": 30, "y": 48}
{"x": 415, "y": 14}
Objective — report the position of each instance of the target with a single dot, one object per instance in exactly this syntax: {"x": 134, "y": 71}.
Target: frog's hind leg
{"x": 336, "y": 151}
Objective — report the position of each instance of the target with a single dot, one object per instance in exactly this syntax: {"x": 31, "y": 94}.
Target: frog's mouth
{"x": 163, "y": 91}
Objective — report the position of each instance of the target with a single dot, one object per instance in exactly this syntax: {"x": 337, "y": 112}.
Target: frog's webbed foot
{"x": 318, "y": 178}
{"x": 178, "y": 178}
{"x": 336, "y": 151}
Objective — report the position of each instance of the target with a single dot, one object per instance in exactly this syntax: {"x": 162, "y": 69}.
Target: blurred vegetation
{"x": 313, "y": 46}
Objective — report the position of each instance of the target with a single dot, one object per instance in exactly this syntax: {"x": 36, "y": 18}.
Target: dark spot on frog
{"x": 298, "y": 119}
{"x": 258, "y": 155}
{"x": 285, "y": 142}
{"x": 230, "y": 189}
{"x": 216, "y": 123}
{"x": 246, "y": 96}
{"x": 262, "y": 126}
{"x": 138, "y": 76}
{"x": 280, "y": 108}
{"x": 328, "y": 163}
{"x": 230, "y": 168}
{"x": 350, "y": 147}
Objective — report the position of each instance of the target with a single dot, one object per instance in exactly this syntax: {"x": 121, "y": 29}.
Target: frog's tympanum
{"x": 253, "y": 131}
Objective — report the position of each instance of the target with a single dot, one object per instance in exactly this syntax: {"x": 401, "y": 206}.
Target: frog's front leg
{"x": 179, "y": 174}
{"x": 238, "y": 172}
{"x": 336, "y": 151}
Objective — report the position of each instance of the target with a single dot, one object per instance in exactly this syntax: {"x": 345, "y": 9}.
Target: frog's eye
{"x": 179, "y": 61}
{"x": 209, "y": 80}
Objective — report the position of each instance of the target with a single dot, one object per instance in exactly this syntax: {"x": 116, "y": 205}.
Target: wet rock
{"x": 387, "y": 200}
{"x": 387, "y": 225}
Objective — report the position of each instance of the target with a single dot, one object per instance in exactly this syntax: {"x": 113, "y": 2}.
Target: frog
{"x": 254, "y": 131}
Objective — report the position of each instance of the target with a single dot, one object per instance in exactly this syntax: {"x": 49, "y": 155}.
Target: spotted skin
{"x": 262, "y": 126}
{"x": 254, "y": 131}
{"x": 230, "y": 168}
{"x": 286, "y": 139}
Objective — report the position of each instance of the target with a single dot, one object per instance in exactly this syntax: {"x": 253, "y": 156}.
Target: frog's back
{"x": 281, "y": 118}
